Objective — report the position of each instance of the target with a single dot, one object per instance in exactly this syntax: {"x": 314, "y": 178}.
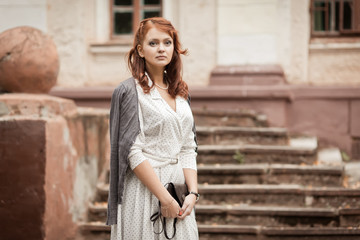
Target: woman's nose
{"x": 161, "y": 47}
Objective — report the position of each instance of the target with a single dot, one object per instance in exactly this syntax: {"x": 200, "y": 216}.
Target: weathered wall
{"x": 51, "y": 156}
{"x": 334, "y": 63}
{"x": 325, "y": 118}
{"x": 296, "y": 63}
{"x": 197, "y": 27}
{"x": 14, "y": 13}
{"x": 60, "y": 176}
{"x": 81, "y": 141}
{"x": 107, "y": 63}
{"x": 222, "y": 32}
{"x": 247, "y": 32}
{"x": 265, "y": 32}
{"x": 216, "y": 32}
{"x": 88, "y": 58}
{"x": 67, "y": 24}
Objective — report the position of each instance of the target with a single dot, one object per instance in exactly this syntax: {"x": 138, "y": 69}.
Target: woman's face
{"x": 157, "y": 49}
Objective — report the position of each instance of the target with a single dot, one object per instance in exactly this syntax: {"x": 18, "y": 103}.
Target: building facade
{"x": 92, "y": 46}
{"x": 312, "y": 46}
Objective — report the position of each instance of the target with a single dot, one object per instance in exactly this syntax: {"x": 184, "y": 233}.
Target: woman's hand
{"x": 188, "y": 206}
{"x": 170, "y": 210}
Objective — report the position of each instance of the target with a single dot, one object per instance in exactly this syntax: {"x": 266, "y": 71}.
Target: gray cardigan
{"x": 124, "y": 128}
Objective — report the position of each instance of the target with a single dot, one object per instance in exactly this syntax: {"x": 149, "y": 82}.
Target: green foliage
{"x": 345, "y": 156}
{"x": 239, "y": 157}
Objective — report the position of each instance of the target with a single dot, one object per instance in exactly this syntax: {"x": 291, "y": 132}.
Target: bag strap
{"x": 174, "y": 226}
{"x": 162, "y": 220}
{"x": 155, "y": 217}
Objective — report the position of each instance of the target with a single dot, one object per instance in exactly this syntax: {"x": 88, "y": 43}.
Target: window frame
{"x": 137, "y": 8}
{"x": 331, "y": 32}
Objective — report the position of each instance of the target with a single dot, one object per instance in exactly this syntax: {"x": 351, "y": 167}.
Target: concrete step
{"x": 229, "y": 232}
{"x": 350, "y": 217}
{"x": 347, "y": 200}
{"x": 93, "y": 230}
{"x": 248, "y": 75}
{"x": 271, "y": 216}
{"x": 255, "y": 232}
{"x": 256, "y": 154}
{"x": 270, "y": 174}
{"x": 329, "y": 233}
{"x": 99, "y": 231}
{"x": 97, "y": 211}
{"x": 232, "y": 161}
{"x": 94, "y": 226}
{"x": 222, "y": 117}
{"x": 241, "y": 135}
{"x": 269, "y": 194}
{"x": 279, "y": 195}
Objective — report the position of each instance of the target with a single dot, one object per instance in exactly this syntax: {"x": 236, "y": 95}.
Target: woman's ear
{"x": 140, "y": 50}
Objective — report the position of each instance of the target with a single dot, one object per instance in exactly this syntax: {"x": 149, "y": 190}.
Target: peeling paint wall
{"x": 59, "y": 180}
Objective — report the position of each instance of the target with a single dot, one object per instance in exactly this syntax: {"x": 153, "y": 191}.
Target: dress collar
{"x": 153, "y": 92}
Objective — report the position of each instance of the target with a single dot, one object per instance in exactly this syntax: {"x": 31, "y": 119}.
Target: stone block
{"x": 354, "y": 118}
{"x": 22, "y": 177}
{"x": 326, "y": 119}
{"x": 39, "y": 105}
{"x": 50, "y": 162}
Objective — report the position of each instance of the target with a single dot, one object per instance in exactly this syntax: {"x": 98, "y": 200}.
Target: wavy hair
{"x": 172, "y": 75}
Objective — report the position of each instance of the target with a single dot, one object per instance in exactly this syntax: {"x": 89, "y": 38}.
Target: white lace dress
{"x": 165, "y": 135}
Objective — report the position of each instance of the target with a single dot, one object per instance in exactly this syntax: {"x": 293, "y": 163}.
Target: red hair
{"x": 172, "y": 76}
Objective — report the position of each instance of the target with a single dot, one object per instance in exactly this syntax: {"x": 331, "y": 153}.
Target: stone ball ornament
{"x": 29, "y": 61}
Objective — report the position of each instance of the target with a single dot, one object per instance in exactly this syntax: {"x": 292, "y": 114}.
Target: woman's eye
{"x": 168, "y": 43}
{"x": 152, "y": 44}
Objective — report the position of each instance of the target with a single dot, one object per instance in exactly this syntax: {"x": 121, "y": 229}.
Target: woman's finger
{"x": 185, "y": 212}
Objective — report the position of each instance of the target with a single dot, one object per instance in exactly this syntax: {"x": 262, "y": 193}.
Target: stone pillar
{"x": 51, "y": 155}
{"x": 22, "y": 176}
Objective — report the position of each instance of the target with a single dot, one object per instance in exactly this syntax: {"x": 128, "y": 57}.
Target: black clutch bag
{"x": 178, "y": 192}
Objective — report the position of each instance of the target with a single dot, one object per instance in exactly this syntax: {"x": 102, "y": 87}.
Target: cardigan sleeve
{"x": 114, "y": 122}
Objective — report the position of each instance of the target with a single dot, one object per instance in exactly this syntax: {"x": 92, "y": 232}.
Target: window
{"x": 127, "y": 14}
{"x": 335, "y": 17}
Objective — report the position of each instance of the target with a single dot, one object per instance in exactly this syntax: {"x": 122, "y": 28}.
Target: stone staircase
{"x": 256, "y": 182}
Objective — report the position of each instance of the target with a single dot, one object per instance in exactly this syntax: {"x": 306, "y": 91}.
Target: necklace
{"x": 163, "y": 88}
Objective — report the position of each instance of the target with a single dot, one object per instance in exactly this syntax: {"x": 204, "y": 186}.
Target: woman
{"x": 152, "y": 139}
